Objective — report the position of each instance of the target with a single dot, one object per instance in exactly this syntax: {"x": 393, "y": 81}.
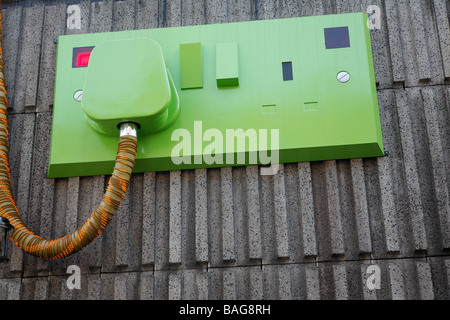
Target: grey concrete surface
{"x": 309, "y": 232}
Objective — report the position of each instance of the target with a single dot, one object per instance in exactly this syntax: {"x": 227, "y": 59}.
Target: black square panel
{"x": 336, "y": 38}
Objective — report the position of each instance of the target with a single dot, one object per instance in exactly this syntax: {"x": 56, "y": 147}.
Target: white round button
{"x": 343, "y": 76}
{"x": 78, "y": 95}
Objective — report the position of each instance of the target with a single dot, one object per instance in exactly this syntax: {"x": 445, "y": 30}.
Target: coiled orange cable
{"x": 94, "y": 225}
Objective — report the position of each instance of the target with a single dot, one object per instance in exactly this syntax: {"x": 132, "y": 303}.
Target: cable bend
{"x": 59, "y": 248}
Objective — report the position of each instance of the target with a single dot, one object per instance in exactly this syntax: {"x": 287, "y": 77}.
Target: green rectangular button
{"x": 191, "y": 65}
{"x": 227, "y": 64}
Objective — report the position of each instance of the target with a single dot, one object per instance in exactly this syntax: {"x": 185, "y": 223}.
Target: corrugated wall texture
{"x": 309, "y": 232}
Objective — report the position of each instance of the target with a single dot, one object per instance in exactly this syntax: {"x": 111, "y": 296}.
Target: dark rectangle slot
{"x": 336, "y": 38}
{"x": 287, "y": 71}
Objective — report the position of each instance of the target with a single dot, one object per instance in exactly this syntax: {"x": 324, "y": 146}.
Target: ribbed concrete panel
{"x": 313, "y": 231}
{"x": 400, "y": 279}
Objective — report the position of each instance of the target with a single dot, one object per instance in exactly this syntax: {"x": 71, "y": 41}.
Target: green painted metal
{"x": 315, "y": 116}
{"x": 127, "y": 81}
{"x": 191, "y": 69}
{"x": 227, "y": 64}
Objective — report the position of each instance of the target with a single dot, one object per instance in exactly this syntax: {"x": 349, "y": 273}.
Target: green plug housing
{"x": 128, "y": 81}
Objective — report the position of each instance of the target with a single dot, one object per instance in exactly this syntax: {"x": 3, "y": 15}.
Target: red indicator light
{"x": 81, "y": 57}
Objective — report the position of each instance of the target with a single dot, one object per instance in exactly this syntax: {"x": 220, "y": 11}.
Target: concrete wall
{"x": 309, "y": 232}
